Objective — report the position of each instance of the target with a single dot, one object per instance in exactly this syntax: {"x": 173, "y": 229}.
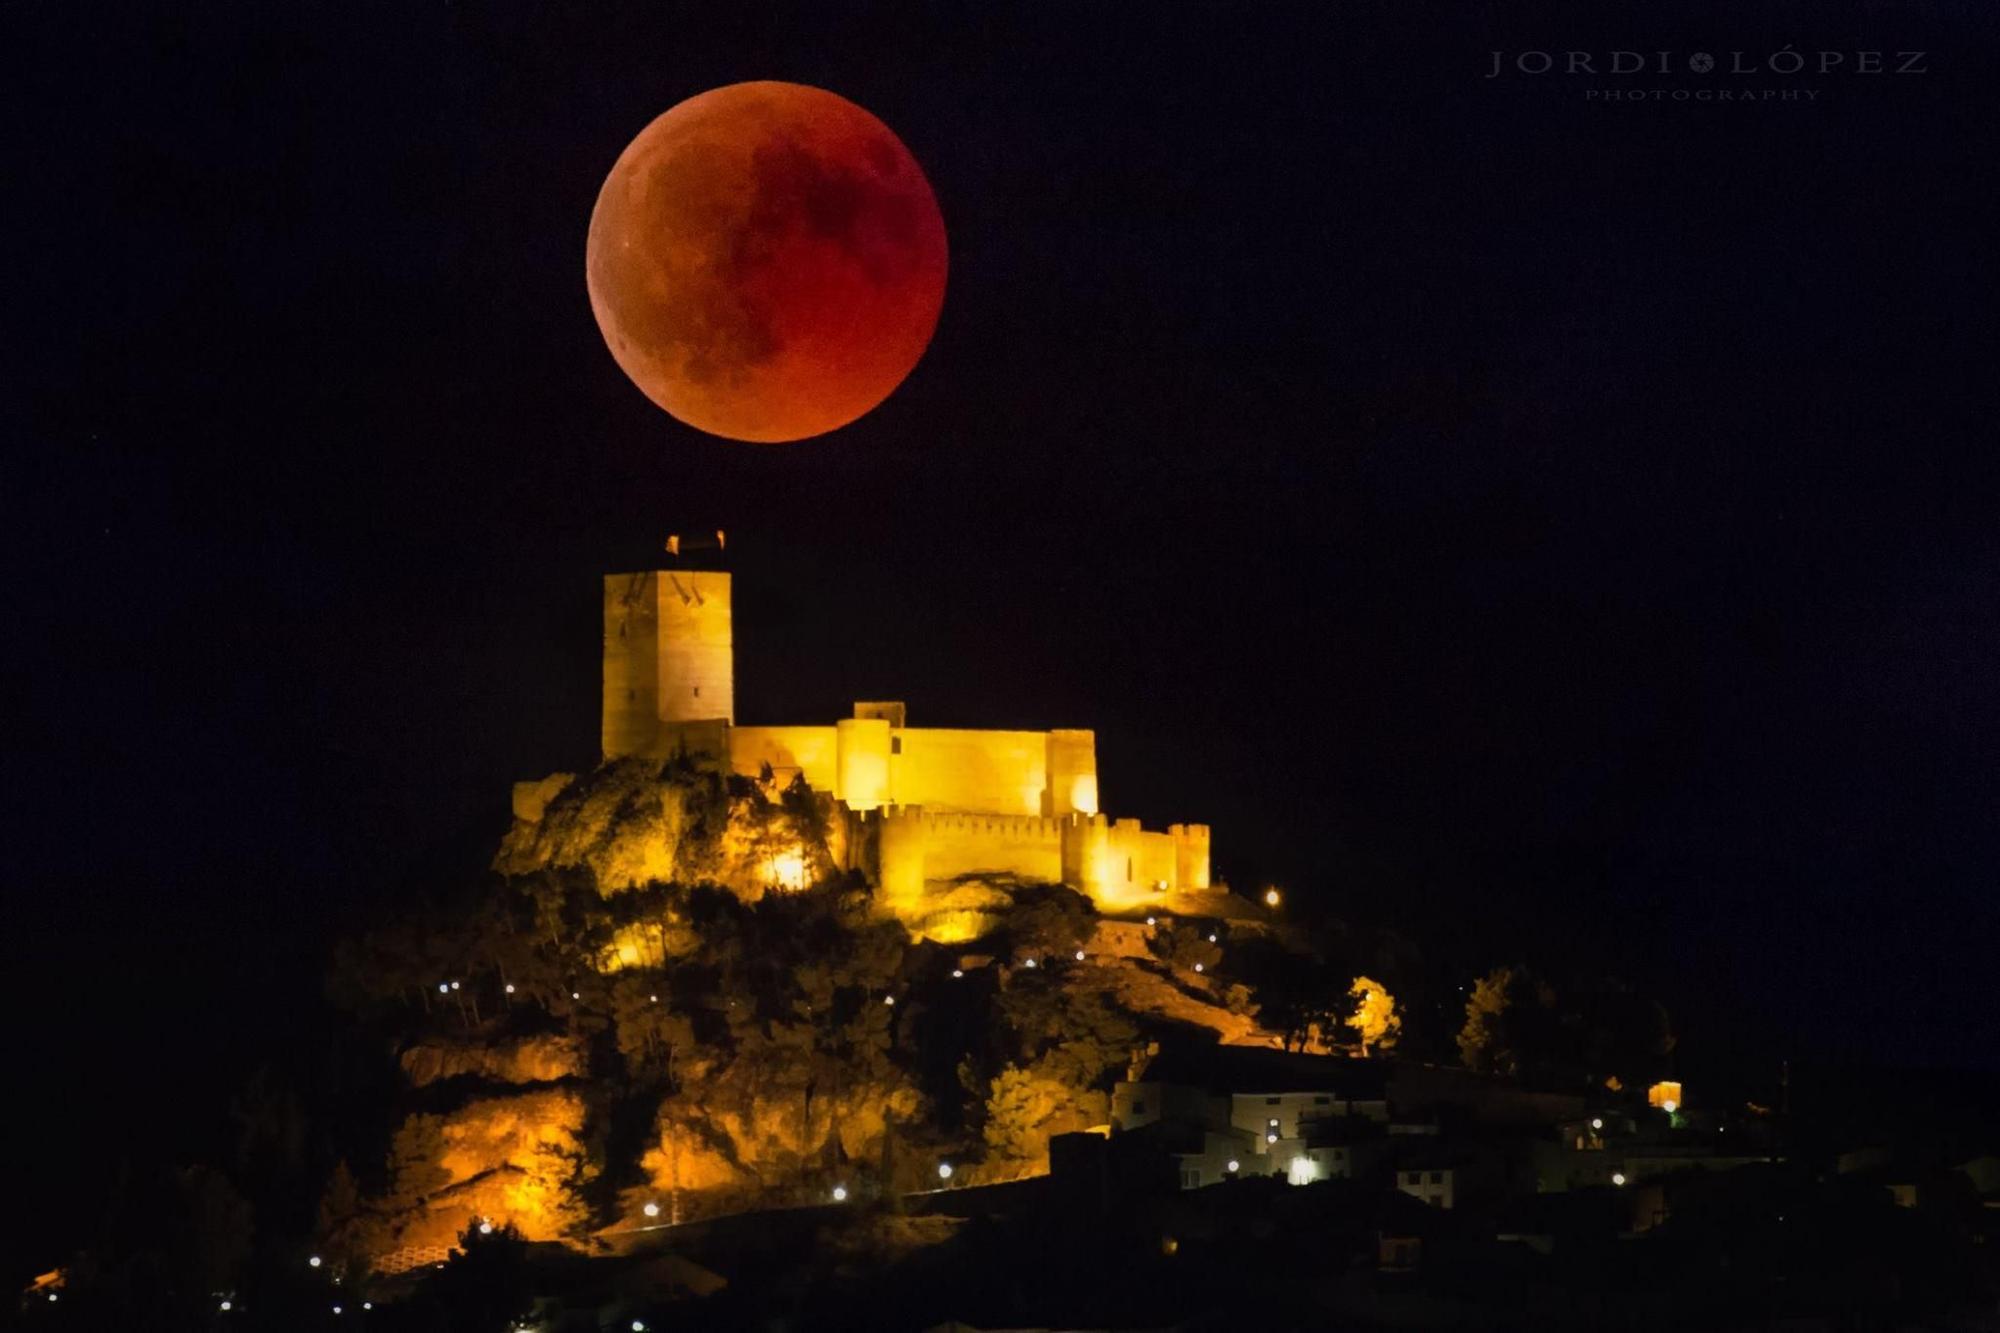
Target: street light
{"x": 1272, "y": 897}
{"x": 651, "y": 1209}
{"x": 1618, "y": 1177}
{"x": 1597, "y": 1122}
{"x": 840, "y": 1194}
{"x": 958, "y": 971}
{"x": 944, "y": 1170}
{"x": 1234, "y": 1165}
{"x": 313, "y": 1262}
{"x": 1079, "y": 955}
{"x": 485, "y": 1226}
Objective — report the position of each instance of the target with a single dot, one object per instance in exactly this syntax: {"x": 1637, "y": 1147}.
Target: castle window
{"x": 895, "y": 745}
{"x": 697, "y": 691}
{"x": 1128, "y": 870}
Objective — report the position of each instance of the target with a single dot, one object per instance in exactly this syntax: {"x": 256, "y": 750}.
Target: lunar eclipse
{"x": 766, "y": 261}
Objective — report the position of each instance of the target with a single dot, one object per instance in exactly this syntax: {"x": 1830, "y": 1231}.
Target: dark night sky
{"x": 1551, "y": 526}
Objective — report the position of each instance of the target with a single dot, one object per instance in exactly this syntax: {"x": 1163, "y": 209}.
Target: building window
{"x": 1190, "y": 1178}
{"x": 1272, "y": 1101}
{"x": 895, "y": 745}
{"x": 1322, "y": 1101}
{"x": 1437, "y": 1177}
{"x": 1138, "y": 1108}
{"x": 1413, "y": 1177}
{"x": 697, "y": 691}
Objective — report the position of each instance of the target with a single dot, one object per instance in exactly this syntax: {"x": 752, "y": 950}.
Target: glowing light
{"x": 1198, "y": 967}
{"x": 367, "y": 1305}
{"x": 840, "y": 1194}
{"x": 1272, "y": 897}
{"x": 889, "y": 999}
{"x": 510, "y": 988}
{"x": 788, "y": 870}
{"x": 1301, "y": 1172}
{"x": 336, "y": 1309}
{"x": 1152, "y": 921}
{"x": 576, "y": 995}
{"x": 1670, "y": 1106}
{"x": 1271, "y": 1137}
{"x": 1272, "y": 1122}
{"x": 651, "y": 1209}
{"x": 1031, "y": 962}
{"x": 454, "y": 985}
{"x": 1665, "y": 1095}
{"x": 224, "y": 1306}
{"x": 652, "y": 999}
{"x": 485, "y": 1227}
{"x": 1597, "y": 1122}
{"x": 444, "y": 988}
{"x": 958, "y": 971}
{"x": 1235, "y": 1165}
{"x": 1618, "y": 1177}
{"x": 1211, "y": 939}
{"x": 638, "y": 1326}
{"x": 944, "y": 1170}
{"x": 1079, "y": 955}
{"x": 313, "y": 1262}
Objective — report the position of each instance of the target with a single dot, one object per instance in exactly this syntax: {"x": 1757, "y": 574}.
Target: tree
{"x": 1050, "y": 921}
{"x": 1025, "y": 1106}
{"x": 1186, "y": 945}
{"x": 1374, "y": 1019}
{"x": 1508, "y": 1018}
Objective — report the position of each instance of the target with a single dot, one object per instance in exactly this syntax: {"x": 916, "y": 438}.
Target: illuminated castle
{"x": 919, "y": 806}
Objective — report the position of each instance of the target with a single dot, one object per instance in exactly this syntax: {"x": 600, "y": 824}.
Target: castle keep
{"x": 920, "y": 806}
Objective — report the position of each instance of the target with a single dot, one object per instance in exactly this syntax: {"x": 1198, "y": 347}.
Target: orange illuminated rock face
{"x": 766, "y": 261}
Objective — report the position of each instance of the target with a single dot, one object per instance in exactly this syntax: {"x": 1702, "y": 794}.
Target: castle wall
{"x": 999, "y": 772}
{"x": 1025, "y": 845}
{"x": 1072, "y": 773}
{"x": 697, "y": 646}
{"x": 631, "y": 719}
{"x": 808, "y": 750}
{"x": 863, "y": 758}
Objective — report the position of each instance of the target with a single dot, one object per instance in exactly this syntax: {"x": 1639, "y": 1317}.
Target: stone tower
{"x": 669, "y": 657}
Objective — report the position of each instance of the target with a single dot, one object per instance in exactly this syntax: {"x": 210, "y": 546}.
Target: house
{"x": 1234, "y": 1111}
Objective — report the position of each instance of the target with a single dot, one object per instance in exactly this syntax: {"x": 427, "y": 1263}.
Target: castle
{"x": 917, "y": 807}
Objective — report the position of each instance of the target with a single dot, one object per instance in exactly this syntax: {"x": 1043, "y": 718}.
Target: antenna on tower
{"x": 677, "y": 543}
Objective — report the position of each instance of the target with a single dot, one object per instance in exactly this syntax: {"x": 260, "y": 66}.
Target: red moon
{"x": 766, "y": 261}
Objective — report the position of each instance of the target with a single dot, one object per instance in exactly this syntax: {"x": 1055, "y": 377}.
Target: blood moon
{"x": 766, "y": 261}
